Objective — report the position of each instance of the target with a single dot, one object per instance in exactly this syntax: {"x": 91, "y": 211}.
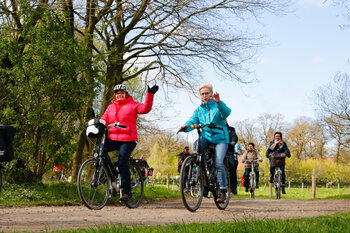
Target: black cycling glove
{"x": 152, "y": 90}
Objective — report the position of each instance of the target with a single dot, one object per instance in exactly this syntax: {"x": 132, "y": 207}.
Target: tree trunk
{"x": 88, "y": 113}
{"x": 78, "y": 156}
{"x": 114, "y": 76}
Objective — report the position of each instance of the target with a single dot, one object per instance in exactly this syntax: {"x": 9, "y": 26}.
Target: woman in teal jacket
{"x": 214, "y": 111}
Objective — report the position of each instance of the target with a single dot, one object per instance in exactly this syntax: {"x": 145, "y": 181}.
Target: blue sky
{"x": 305, "y": 49}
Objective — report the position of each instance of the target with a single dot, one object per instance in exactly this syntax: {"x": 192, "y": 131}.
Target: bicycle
{"x": 146, "y": 171}
{"x": 98, "y": 179}
{"x": 58, "y": 174}
{"x": 198, "y": 172}
{"x": 278, "y": 161}
{"x": 252, "y": 179}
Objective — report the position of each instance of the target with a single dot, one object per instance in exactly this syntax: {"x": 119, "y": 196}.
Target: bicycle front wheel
{"x": 136, "y": 180}
{"x": 252, "y": 186}
{"x": 93, "y": 184}
{"x": 218, "y": 204}
{"x": 278, "y": 184}
{"x": 191, "y": 184}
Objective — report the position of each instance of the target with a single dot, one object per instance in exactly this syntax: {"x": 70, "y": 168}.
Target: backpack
{"x": 7, "y": 133}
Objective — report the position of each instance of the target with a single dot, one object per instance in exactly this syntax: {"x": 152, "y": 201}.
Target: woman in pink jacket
{"x": 124, "y": 110}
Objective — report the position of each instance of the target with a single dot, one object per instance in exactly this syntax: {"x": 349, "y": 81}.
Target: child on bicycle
{"x": 251, "y": 155}
{"x": 124, "y": 110}
{"x": 278, "y": 146}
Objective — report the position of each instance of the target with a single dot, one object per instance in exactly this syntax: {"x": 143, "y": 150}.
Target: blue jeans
{"x": 272, "y": 173}
{"x": 220, "y": 152}
{"x": 125, "y": 149}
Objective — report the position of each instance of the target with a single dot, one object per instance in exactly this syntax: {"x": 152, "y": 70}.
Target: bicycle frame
{"x": 252, "y": 176}
{"x": 105, "y": 159}
{"x": 204, "y": 162}
{"x": 104, "y": 178}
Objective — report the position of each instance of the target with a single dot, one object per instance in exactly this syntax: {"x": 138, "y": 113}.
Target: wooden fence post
{"x": 167, "y": 180}
{"x": 313, "y": 187}
{"x": 270, "y": 187}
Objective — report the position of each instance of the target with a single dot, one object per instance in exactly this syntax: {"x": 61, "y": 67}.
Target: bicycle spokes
{"x": 93, "y": 184}
{"x": 191, "y": 184}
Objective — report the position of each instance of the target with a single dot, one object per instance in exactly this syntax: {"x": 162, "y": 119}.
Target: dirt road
{"x": 46, "y": 218}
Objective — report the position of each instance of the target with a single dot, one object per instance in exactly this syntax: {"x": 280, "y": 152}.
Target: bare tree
{"x": 316, "y": 146}
{"x": 299, "y": 136}
{"x": 247, "y": 132}
{"x": 167, "y": 40}
{"x": 333, "y": 107}
{"x": 268, "y": 125}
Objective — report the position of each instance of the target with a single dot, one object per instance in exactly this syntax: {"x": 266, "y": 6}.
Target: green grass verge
{"x": 299, "y": 193}
{"x": 67, "y": 194}
{"x": 339, "y": 222}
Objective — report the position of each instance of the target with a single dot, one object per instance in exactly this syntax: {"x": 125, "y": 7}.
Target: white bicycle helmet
{"x": 120, "y": 87}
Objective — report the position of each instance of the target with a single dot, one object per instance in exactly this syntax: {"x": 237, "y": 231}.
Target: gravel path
{"x": 46, "y": 218}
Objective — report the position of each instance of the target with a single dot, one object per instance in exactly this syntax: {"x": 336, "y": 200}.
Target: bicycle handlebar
{"x": 199, "y": 126}
{"x": 116, "y": 125}
{"x": 251, "y": 161}
{"x": 274, "y": 153}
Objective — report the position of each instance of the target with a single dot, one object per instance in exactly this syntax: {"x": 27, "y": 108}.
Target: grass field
{"x": 67, "y": 194}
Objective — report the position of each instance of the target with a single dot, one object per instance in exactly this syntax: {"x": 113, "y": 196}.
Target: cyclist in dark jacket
{"x": 278, "y": 146}
{"x": 181, "y": 157}
{"x": 232, "y": 157}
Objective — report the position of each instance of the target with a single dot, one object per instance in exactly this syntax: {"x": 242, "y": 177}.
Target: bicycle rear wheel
{"x": 220, "y": 205}
{"x": 93, "y": 184}
{"x": 136, "y": 180}
{"x": 191, "y": 184}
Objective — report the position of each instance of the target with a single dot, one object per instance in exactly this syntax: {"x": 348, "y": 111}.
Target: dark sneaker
{"x": 257, "y": 187}
{"x": 221, "y": 198}
{"x": 283, "y": 190}
{"x": 234, "y": 191}
{"x": 125, "y": 197}
{"x": 246, "y": 189}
